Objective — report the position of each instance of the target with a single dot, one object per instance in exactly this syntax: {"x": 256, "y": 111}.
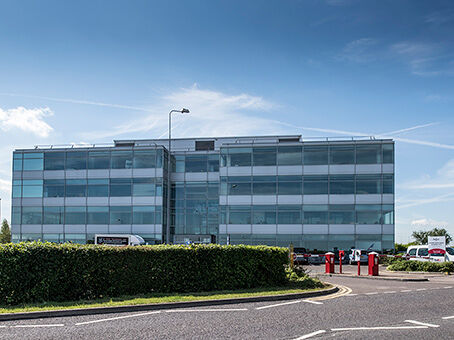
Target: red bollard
{"x": 373, "y": 264}
{"x": 359, "y": 268}
{"x": 341, "y": 256}
{"x": 329, "y": 263}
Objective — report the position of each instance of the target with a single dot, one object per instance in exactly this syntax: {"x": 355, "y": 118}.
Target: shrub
{"x": 298, "y": 277}
{"x": 419, "y": 266}
{"x": 35, "y": 272}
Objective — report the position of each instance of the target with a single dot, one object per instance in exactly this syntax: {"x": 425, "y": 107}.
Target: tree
{"x": 421, "y": 236}
{"x": 5, "y": 235}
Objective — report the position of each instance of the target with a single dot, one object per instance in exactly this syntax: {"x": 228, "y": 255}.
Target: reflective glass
{"x": 75, "y": 215}
{"x": 76, "y": 160}
{"x": 33, "y": 164}
{"x": 196, "y": 163}
{"x": 97, "y": 215}
{"x": 315, "y": 217}
{"x": 16, "y": 215}
{"x": 368, "y": 184}
{"x": 120, "y": 187}
{"x": 17, "y": 164}
{"x": 179, "y": 163}
{"x": 54, "y": 188}
{"x": 159, "y": 158}
{"x": 388, "y": 214}
{"x": 32, "y": 188}
{"x": 53, "y": 215}
{"x": 289, "y": 214}
{"x": 315, "y": 185}
{"x": 31, "y": 215}
{"x": 264, "y": 214}
{"x": 342, "y": 154}
{"x": 368, "y": 154}
{"x": 213, "y": 163}
{"x": 289, "y": 185}
{"x": 143, "y": 215}
{"x": 239, "y": 157}
{"x": 289, "y": 155}
{"x": 264, "y": 156}
{"x": 239, "y": 215}
{"x": 143, "y": 187}
{"x": 239, "y": 185}
{"x": 388, "y": 153}
{"x": 144, "y": 159}
{"x": 264, "y": 185}
{"x": 54, "y": 161}
{"x": 121, "y": 160}
{"x": 99, "y": 160}
{"x": 120, "y": 215}
{"x": 388, "y": 184}
{"x": 76, "y": 188}
{"x": 342, "y": 217}
{"x": 341, "y": 184}
{"x": 368, "y": 217}
{"x": 315, "y": 155}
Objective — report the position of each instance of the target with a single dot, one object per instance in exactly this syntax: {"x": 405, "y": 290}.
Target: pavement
{"x": 363, "y": 309}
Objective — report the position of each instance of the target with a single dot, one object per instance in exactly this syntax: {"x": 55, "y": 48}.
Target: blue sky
{"x": 93, "y": 71}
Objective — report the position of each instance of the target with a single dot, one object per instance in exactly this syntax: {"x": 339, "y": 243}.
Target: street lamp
{"x": 169, "y": 170}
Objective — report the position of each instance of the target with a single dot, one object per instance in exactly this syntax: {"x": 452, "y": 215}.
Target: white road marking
{"x": 351, "y": 295}
{"x": 207, "y": 310}
{"x": 116, "y": 318}
{"x": 2, "y": 326}
{"x": 422, "y": 323}
{"x": 420, "y": 289}
{"x": 279, "y": 304}
{"x": 390, "y": 292}
{"x": 447, "y": 287}
{"x": 372, "y": 293}
{"x": 375, "y": 328}
{"x": 405, "y": 290}
{"x": 448, "y": 317}
{"x": 314, "y": 302}
{"x": 310, "y": 335}
{"x": 31, "y": 326}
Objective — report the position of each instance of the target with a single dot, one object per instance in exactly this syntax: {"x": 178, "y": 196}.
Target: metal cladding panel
{"x": 342, "y": 199}
{"x": 222, "y": 229}
{"x": 54, "y": 201}
{"x": 75, "y": 201}
{"x": 159, "y": 172}
{"x": 120, "y": 228}
{"x": 97, "y": 228}
{"x": 144, "y": 200}
{"x": 240, "y": 199}
{"x": 315, "y": 229}
{"x": 144, "y": 172}
{"x": 315, "y": 199}
{"x": 368, "y": 168}
{"x": 342, "y": 229}
{"x": 143, "y": 228}
{"x": 31, "y": 202}
{"x": 102, "y": 201}
{"x": 239, "y": 170}
{"x": 158, "y": 228}
{"x": 368, "y": 199}
{"x": 222, "y": 200}
{"x": 388, "y": 198}
{"x": 368, "y": 229}
{"x": 290, "y": 170}
{"x": 75, "y": 228}
{"x": 76, "y": 174}
{"x": 213, "y": 176}
{"x": 17, "y": 174}
{"x": 16, "y": 202}
{"x": 238, "y": 228}
{"x": 264, "y": 199}
{"x": 120, "y": 200}
{"x": 264, "y": 229}
{"x": 196, "y": 176}
{"x": 54, "y": 174}
{"x": 388, "y": 229}
{"x": 315, "y": 169}
{"x": 223, "y": 171}
{"x": 388, "y": 168}
{"x": 101, "y": 173}
{"x": 292, "y": 229}
{"x": 32, "y": 174}
{"x": 31, "y": 228}
{"x": 121, "y": 173}
{"x": 15, "y": 228}
{"x": 52, "y": 228}
{"x": 264, "y": 170}
{"x": 177, "y": 176}
{"x": 158, "y": 200}
{"x": 342, "y": 169}
{"x": 289, "y": 199}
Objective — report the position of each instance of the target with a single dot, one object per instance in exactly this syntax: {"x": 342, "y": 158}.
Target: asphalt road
{"x": 400, "y": 310}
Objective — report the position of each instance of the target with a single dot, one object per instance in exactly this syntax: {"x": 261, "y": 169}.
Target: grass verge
{"x": 154, "y": 298}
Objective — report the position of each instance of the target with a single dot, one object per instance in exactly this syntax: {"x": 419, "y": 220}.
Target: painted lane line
{"x": 422, "y": 323}
{"x": 116, "y": 318}
{"x": 420, "y": 289}
{"x": 447, "y": 287}
{"x": 314, "y": 302}
{"x": 405, "y": 291}
{"x": 351, "y": 295}
{"x": 448, "y": 317}
{"x": 2, "y": 326}
{"x": 376, "y": 328}
{"x": 373, "y": 293}
{"x": 31, "y": 326}
{"x": 310, "y": 335}
{"x": 279, "y": 304}
{"x": 206, "y": 310}
{"x": 390, "y": 292}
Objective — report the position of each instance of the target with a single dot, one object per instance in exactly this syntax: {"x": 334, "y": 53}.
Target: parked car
{"x": 352, "y": 259}
{"x": 450, "y": 254}
{"x": 421, "y": 253}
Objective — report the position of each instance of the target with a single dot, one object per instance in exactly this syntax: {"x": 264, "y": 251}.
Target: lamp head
{"x": 184, "y": 110}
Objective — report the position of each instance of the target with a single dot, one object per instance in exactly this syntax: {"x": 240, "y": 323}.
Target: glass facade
{"x": 253, "y": 190}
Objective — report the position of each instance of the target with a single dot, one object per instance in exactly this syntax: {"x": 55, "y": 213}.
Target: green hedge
{"x": 35, "y": 272}
{"x": 419, "y": 266}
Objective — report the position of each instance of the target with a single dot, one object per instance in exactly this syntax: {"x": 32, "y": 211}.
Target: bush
{"x": 419, "y": 266}
{"x": 36, "y": 272}
{"x": 298, "y": 277}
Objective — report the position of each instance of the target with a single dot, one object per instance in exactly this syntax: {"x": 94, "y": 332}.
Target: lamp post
{"x": 169, "y": 170}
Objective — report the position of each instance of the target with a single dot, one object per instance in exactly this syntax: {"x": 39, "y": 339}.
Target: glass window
{"x": 264, "y": 214}
{"x": 315, "y": 185}
{"x": 239, "y": 185}
{"x": 159, "y": 158}
{"x": 239, "y": 157}
{"x": 213, "y": 190}
{"x": 53, "y": 215}
{"x": 76, "y": 188}
{"x": 264, "y": 156}
{"x": 213, "y": 163}
{"x": 368, "y": 154}
{"x": 75, "y": 215}
{"x": 98, "y": 187}
{"x": 423, "y": 252}
{"x": 120, "y": 187}
{"x": 33, "y": 161}
{"x": 315, "y": 214}
{"x": 54, "y": 161}
{"x": 368, "y": 184}
{"x": 289, "y": 155}
{"x": 388, "y": 153}
{"x": 344, "y": 154}
{"x": 144, "y": 159}
{"x": 315, "y": 155}
{"x": 289, "y": 185}
{"x": 239, "y": 215}
{"x": 121, "y": 159}
{"x": 16, "y": 215}
{"x": 158, "y": 186}
{"x": 143, "y": 215}
{"x": 143, "y": 187}
{"x": 196, "y": 163}
{"x": 368, "y": 214}
{"x": 31, "y": 215}
{"x": 158, "y": 215}
{"x": 99, "y": 160}
{"x": 76, "y": 160}
{"x": 341, "y": 184}
{"x": 264, "y": 185}
{"x": 388, "y": 184}
{"x": 54, "y": 188}
{"x": 120, "y": 215}
{"x": 289, "y": 214}
{"x": 388, "y": 214}
{"x": 178, "y": 163}
{"x": 17, "y": 161}
{"x": 342, "y": 217}
{"x": 196, "y": 190}
{"x": 17, "y": 188}
{"x": 97, "y": 215}
{"x": 32, "y": 188}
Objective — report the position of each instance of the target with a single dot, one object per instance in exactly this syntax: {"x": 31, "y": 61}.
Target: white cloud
{"x": 28, "y": 120}
{"x": 427, "y": 222}
{"x": 444, "y": 179}
{"x": 359, "y": 51}
{"x": 5, "y": 185}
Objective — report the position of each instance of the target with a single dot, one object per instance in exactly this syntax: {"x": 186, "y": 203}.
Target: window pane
{"x": 213, "y": 163}
{"x": 16, "y": 215}
{"x": 368, "y": 184}
{"x": 264, "y": 188}
{"x": 33, "y": 164}
{"x": 120, "y": 187}
{"x": 368, "y": 154}
{"x": 76, "y": 160}
{"x": 240, "y": 159}
{"x": 53, "y": 215}
{"x": 289, "y": 155}
{"x": 239, "y": 188}
{"x": 388, "y": 184}
{"x": 121, "y": 159}
{"x": 315, "y": 185}
{"x": 97, "y": 215}
{"x": 388, "y": 153}
{"x": 32, "y": 188}
{"x": 196, "y": 163}
{"x": 54, "y": 188}
{"x": 289, "y": 214}
{"x": 341, "y": 184}
{"x": 98, "y": 190}
{"x": 264, "y": 156}
{"x": 315, "y": 155}
{"x": 54, "y": 161}
{"x": 342, "y": 154}
{"x": 264, "y": 214}
{"x": 143, "y": 215}
{"x": 144, "y": 159}
{"x": 17, "y": 164}
{"x": 315, "y": 217}
{"x": 120, "y": 215}
{"x": 368, "y": 217}
{"x": 75, "y": 215}
{"x": 289, "y": 188}
{"x": 76, "y": 188}
{"x": 31, "y": 215}
{"x": 99, "y": 160}
{"x": 341, "y": 217}
{"x": 240, "y": 215}
{"x": 143, "y": 187}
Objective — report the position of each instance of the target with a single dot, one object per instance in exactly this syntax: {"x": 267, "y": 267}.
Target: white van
{"x": 421, "y": 253}
{"x": 450, "y": 254}
{"x": 119, "y": 240}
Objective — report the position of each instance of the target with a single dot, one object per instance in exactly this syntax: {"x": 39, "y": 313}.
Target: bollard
{"x": 329, "y": 263}
{"x": 373, "y": 264}
{"x": 341, "y": 256}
